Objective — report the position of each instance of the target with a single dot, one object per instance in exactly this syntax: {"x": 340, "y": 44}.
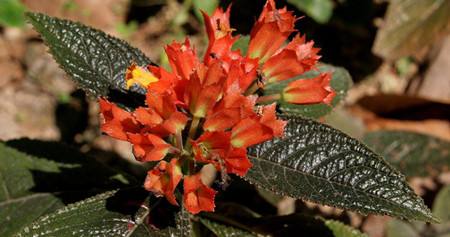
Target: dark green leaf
{"x": 221, "y": 230}
{"x": 95, "y": 60}
{"x": 12, "y": 13}
{"x": 95, "y": 216}
{"x": 413, "y": 154}
{"x": 341, "y": 230}
{"x": 320, "y": 164}
{"x": 37, "y": 177}
{"x": 288, "y": 225}
{"x": 319, "y": 10}
{"x": 183, "y": 223}
{"x": 341, "y": 81}
{"x": 114, "y": 213}
{"x": 411, "y": 25}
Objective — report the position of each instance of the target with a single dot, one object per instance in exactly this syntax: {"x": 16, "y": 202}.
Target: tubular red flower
{"x": 148, "y": 147}
{"x": 296, "y": 58}
{"x": 163, "y": 179}
{"x": 252, "y": 131}
{"x": 197, "y": 196}
{"x": 310, "y": 91}
{"x": 210, "y": 147}
{"x": 243, "y": 72}
{"x": 117, "y": 122}
{"x": 182, "y": 58}
{"x": 270, "y": 31}
{"x": 204, "y": 89}
{"x": 237, "y": 162}
{"x": 230, "y": 110}
{"x": 219, "y": 35}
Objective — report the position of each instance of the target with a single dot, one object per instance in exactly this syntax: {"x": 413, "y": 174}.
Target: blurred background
{"x": 397, "y": 52}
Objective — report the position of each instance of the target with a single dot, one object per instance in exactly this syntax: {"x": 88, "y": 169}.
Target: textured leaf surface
{"x": 341, "y": 81}
{"x": 31, "y": 185}
{"x": 318, "y": 163}
{"x": 410, "y": 25}
{"x": 221, "y": 230}
{"x": 93, "y": 59}
{"x": 319, "y": 10}
{"x": 90, "y": 217}
{"x": 413, "y": 154}
{"x": 341, "y": 230}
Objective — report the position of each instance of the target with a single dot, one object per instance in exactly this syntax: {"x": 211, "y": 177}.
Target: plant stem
{"x": 179, "y": 140}
{"x": 253, "y": 88}
{"x": 193, "y": 128}
{"x": 268, "y": 98}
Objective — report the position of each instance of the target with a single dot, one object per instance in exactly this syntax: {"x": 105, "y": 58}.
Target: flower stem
{"x": 268, "y": 98}
{"x": 252, "y": 89}
{"x": 179, "y": 140}
{"x": 193, "y": 128}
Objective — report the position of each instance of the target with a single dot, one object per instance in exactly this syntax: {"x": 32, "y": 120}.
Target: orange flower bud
{"x": 310, "y": 91}
{"x": 197, "y": 196}
{"x": 163, "y": 179}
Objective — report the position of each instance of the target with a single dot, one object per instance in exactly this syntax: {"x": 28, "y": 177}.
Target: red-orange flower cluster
{"x": 206, "y": 112}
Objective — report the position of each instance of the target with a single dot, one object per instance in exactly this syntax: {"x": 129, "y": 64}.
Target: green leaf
{"x": 399, "y": 228}
{"x": 411, "y": 25}
{"x": 95, "y": 216}
{"x": 242, "y": 44}
{"x": 319, "y": 10}
{"x": 441, "y": 209}
{"x": 221, "y": 230}
{"x": 206, "y": 6}
{"x": 413, "y": 154}
{"x": 33, "y": 184}
{"x": 125, "y": 212}
{"x": 320, "y": 164}
{"x": 341, "y": 81}
{"x": 12, "y": 13}
{"x": 341, "y": 230}
{"x": 93, "y": 59}
{"x": 288, "y": 225}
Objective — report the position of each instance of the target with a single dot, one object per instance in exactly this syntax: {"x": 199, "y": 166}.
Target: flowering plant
{"x": 228, "y": 112}
{"x": 208, "y": 112}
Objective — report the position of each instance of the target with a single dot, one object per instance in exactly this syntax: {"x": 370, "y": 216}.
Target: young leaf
{"x": 12, "y": 13}
{"x": 413, "y": 154}
{"x": 341, "y": 230}
{"x": 34, "y": 184}
{"x": 421, "y": 22}
{"x": 320, "y": 10}
{"x": 241, "y": 44}
{"x": 399, "y": 228}
{"x": 206, "y": 6}
{"x": 221, "y": 230}
{"x": 441, "y": 209}
{"x": 93, "y": 59}
{"x": 320, "y": 164}
{"x": 341, "y": 81}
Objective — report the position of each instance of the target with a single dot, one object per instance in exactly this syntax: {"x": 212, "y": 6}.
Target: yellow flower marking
{"x": 138, "y": 75}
